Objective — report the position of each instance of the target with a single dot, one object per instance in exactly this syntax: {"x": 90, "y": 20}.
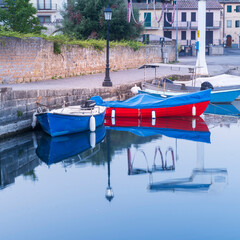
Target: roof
{"x": 229, "y": 1}
{"x": 182, "y": 4}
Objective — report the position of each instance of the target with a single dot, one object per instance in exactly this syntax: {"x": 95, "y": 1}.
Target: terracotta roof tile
{"x": 183, "y": 4}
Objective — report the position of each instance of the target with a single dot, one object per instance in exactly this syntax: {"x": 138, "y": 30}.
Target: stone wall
{"x": 216, "y": 50}
{"x": 17, "y": 107}
{"x": 17, "y": 157}
{"x": 33, "y": 59}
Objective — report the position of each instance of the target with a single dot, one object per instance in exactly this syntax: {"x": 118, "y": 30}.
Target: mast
{"x": 201, "y": 58}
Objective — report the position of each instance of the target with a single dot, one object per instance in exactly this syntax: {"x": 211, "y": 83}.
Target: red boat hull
{"x": 178, "y": 111}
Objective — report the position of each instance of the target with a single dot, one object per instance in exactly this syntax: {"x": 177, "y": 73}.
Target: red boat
{"x": 147, "y": 106}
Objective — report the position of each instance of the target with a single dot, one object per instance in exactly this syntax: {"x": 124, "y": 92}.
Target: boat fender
{"x": 113, "y": 113}
{"x": 194, "y": 123}
{"x": 92, "y": 124}
{"x": 153, "y": 114}
{"x": 93, "y": 139}
{"x": 113, "y": 121}
{"x": 194, "y": 111}
{"x": 34, "y": 120}
{"x": 153, "y": 121}
{"x": 135, "y": 89}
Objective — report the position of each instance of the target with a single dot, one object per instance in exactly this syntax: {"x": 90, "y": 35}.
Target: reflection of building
{"x": 17, "y": 157}
{"x": 231, "y": 22}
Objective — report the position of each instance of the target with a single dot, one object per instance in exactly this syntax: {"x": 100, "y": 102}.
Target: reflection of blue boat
{"x": 222, "y": 109}
{"x": 193, "y": 129}
{"x": 71, "y": 119}
{"x": 55, "y": 149}
{"x": 200, "y": 180}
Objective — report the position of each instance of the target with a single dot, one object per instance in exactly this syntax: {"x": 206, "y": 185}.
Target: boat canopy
{"x": 144, "y": 101}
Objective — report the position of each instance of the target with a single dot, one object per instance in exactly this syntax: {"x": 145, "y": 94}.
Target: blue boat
{"x": 55, "y": 149}
{"x": 226, "y": 94}
{"x": 222, "y": 109}
{"x": 71, "y": 119}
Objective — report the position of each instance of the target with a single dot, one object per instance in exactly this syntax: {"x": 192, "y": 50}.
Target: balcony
{"x": 151, "y": 25}
{"x": 213, "y": 25}
{"x": 181, "y": 25}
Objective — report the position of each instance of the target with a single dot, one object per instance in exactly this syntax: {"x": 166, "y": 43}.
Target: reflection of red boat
{"x": 194, "y": 129}
{"x": 147, "y": 106}
{"x": 187, "y": 124}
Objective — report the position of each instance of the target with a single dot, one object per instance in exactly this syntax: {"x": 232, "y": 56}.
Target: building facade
{"x": 182, "y": 23}
{"x": 49, "y": 12}
{"x": 231, "y": 23}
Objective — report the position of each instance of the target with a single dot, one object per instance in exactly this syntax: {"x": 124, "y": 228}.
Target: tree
{"x": 18, "y": 16}
{"x": 84, "y": 19}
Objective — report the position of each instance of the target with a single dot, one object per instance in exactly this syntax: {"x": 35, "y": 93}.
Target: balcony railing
{"x": 181, "y": 25}
{"x": 151, "y": 25}
{"x": 214, "y": 25}
{"x": 192, "y": 25}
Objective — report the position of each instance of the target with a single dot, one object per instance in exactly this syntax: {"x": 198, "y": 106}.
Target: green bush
{"x": 62, "y": 39}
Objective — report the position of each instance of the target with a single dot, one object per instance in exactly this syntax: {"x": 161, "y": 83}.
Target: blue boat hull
{"x": 222, "y": 109}
{"x": 225, "y": 96}
{"x": 60, "y": 124}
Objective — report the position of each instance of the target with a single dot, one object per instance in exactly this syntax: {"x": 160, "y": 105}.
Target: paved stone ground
{"x": 216, "y": 65}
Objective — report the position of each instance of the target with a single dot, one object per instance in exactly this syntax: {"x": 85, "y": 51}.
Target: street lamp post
{"x": 108, "y": 15}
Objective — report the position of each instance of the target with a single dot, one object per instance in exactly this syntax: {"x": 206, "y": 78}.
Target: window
{"x": 229, "y": 8}
{"x": 44, "y": 19}
{"x": 193, "y": 17}
{"x": 184, "y": 17}
{"x": 229, "y": 23}
{"x": 44, "y": 5}
{"x": 238, "y": 8}
{"x": 168, "y": 34}
{"x": 167, "y": 16}
{"x": 147, "y": 17}
{"x": 183, "y": 35}
{"x": 237, "y": 23}
{"x": 193, "y": 35}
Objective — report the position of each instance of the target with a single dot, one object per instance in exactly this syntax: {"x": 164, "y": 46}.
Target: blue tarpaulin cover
{"x": 143, "y": 101}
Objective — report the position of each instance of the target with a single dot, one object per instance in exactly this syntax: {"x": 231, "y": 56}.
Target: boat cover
{"x": 144, "y": 101}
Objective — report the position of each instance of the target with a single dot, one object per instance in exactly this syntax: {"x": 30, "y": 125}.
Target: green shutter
{"x": 147, "y": 17}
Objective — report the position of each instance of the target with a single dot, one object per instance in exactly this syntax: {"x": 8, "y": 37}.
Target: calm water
{"x": 46, "y": 193}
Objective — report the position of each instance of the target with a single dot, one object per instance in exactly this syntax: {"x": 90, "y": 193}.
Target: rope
{"x": 134, "y": 19}
{"x": 173, "y": 16}
{"x": 129, "y": 11}
{"x": 163, "y": 10}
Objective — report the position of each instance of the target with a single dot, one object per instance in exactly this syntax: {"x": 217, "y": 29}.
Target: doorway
{"x": 229, "y": 41}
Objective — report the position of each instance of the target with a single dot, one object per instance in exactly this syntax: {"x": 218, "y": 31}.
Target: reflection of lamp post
{"x": 109, "y": 192}
{"x": 108, "y": 15}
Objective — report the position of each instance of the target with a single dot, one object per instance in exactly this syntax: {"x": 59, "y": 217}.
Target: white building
{"x": 49, "y": 12}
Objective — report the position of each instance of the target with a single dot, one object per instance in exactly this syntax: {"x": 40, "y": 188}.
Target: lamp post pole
{"x": 109, "y": 192}
{"x": 107, "y": 81}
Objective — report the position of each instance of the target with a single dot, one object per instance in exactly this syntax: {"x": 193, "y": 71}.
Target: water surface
{"x": 56, "y": 188}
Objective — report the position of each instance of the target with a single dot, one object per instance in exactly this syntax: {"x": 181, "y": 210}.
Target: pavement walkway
{"x": 216, "y": 65}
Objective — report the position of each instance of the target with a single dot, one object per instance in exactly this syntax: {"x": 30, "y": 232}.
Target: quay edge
{"x": 17, "y": 106}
